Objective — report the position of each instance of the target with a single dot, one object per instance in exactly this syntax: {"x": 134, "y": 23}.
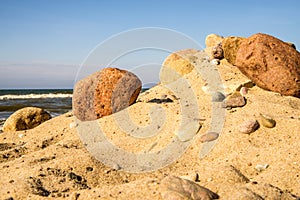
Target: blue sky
{"x": 43, "y": 43}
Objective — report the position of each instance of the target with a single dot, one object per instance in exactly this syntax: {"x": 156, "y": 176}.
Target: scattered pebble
{"x": 21, "y": 135}
{"x": 193, "y": 176}
{"x": 210, "y": 136}
{"x": 267, "y": 121}
{"x": 116, "y": 166}
{"x": 217, "y": 97}
{"x": 244, "y": 91}
{"x": 234, "y": 100}
{"x": 249, "y": 126}
{"x": 73, "y": 125}
{"x": 215, "y": 61}
{"x": 187, "y": 132}
{"x": 173, "y": 187}
{"x": 261, "y": 167}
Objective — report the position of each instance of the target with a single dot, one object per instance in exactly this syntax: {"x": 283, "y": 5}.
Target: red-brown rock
{"x": 270, "y": 63}
{"x": 105, "y": 92}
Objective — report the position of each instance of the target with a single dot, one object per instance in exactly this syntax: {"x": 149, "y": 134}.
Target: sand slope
{"x": 51, "y": 161}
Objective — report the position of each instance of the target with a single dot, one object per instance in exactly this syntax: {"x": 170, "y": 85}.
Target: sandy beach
{"x": 50, "y": 161}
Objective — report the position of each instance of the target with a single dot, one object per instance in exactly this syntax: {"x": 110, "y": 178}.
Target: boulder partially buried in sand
{"x": 271, "y": 63}
{"x": 176, "y": 65}
{"x": 105, "y": 92}
{"x": 26, "y": 118}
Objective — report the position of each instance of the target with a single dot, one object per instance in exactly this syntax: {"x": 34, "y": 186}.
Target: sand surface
{"x": 50, "y": 161}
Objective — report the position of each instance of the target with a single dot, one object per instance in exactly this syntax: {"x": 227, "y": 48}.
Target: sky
{"x": 46, "y": 43}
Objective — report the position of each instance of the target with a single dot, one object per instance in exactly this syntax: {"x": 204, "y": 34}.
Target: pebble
{"x": 215, "y": 61}
{"x": 244, "y": 91}
{"x": 249, "y": 126}
{"x": 116, "y": 166}
{"x": 73, "y": 125}
{"x": 261, "y": 167}
{"x": 210, "y": 136}
{"x": 217, "y": 97}
{"x": 267, "y": 121}
{"x": 234, "y": 100}
{"x": 173, "y": 187}
{"x": 187, "y": 132}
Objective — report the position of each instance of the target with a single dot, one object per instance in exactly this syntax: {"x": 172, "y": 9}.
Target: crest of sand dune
{"x": 51, "y": 161}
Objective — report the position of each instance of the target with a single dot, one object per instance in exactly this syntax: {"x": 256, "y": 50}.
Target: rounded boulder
{"x": 105, "y": 92}
{"x": 26, "y": 118}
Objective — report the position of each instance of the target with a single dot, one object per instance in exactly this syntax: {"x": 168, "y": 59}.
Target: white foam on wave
{"x": 35, "y": 96}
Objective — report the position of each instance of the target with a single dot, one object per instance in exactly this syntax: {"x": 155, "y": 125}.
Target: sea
{"x": 55, "y": 101}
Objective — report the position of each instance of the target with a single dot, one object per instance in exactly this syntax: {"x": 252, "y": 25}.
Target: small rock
{"x": 73, "y": 125}
{"x": 26, "y": 118}
{"x": 116, "y": 166}
{"x": 249, "y": 126}
{"x": 217, "y": 97}
{"x": 244, "y": 91}
{"x": 193, "y": 176}
{"x": 210, "y": 136}
{"x": 261, "y": 167}
{"x": 155, "y": 100}
{"x": 217, "y": 51}
{"x": 215, "y": 61}
{"x": 234, "y": 100}
{"x": 267, "y": 121}
{"x": 187, "y": 132}
{"x": 176, "y": 188}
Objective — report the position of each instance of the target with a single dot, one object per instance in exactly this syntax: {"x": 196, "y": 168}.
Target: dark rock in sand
{"x": 176, "y": 188}
{"x": 105, "y": 92}
{"x": 26, "y": 118}
{"x": 271, "y": 63}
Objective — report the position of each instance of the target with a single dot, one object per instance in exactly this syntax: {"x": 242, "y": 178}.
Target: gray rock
{"x": 234, "y": 100}
{"x": 210, "y": 136}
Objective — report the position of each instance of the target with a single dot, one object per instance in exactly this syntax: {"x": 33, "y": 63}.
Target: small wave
{"x": 35, "y": 96}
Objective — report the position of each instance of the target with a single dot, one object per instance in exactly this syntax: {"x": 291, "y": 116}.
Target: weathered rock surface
{"x": 213, "y": 40}
{"x": 271, "y": 63}
{"x": 176, "y": 188}
{"x": 234, "y": 100}
{"x": 105, "y": 92}
{"x": 230, "y": 47}
{"x": 26, "y": 118}
{"x": 177, "y": 64}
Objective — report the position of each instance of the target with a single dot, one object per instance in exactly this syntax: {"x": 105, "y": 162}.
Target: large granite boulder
{"x": 105, "y": 92}
{"x": 230, "y": 47}
{"x": 270, "y": 63}
{"x": 177, "y": 65}
{"x": 26, "y": 118}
